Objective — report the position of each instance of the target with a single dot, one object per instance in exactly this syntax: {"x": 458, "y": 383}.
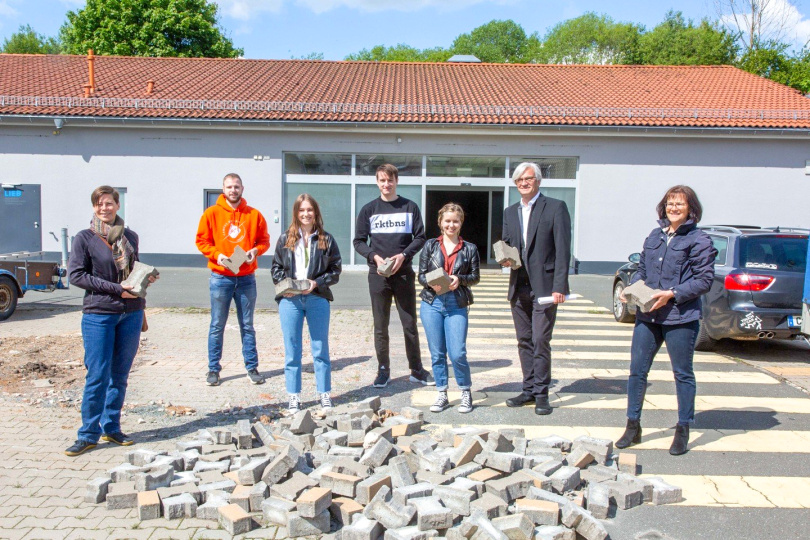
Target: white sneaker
{"x": 326, "y": 401}
{"x": 441, "y": 402}
{"x": 466, "y": 402}
{"x": 295, "y": 404}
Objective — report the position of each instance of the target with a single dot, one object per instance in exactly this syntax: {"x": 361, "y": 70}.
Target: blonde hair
{"x": 451, "y": 207}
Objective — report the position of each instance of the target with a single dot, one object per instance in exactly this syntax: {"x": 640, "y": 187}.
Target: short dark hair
{"x": 388, "y": 169}
{"x": 103, "y": 190}
{"x": 232, "y": 175}
{"x": 695, "y": 208}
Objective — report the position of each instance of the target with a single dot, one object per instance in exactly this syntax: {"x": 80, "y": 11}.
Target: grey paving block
{"x": 545, "y": 495}
{"x": 258, "y": 493}
{"x": 510, "y": 487}
{"x": 547, "y": 468}
{"x": 400, "y": 472}
{"x": 600, "y": 448}
{"x": 410, "y": 533}
{"x": 192, "y": 489}
{"x": 598, "y": 473}
{"x": 431, "y": 514}
{"x": 234, "y": 519}
{"x": 664, "y": 493}
{"x": 298, "y": 525}
{"x": 491, "y": 506}
{"x": 277, "y": 510}
{"x": 148, "y": 505}
{"x": 362, "y": 529}
{"x": 121, "y": 495}
{"x": 293, "y": 487}
{"x": 235, "y": 260}
{"x": 252, "y": 472}
{"x": 565, "y": 479}
{"x": 286, "y": 459}
{"x": 210, "y": 510}
{"x": 340, "y": 484}
{"x": 623, "y": 495}
{"x": 154, "y": 479}
{"x": 515, "y": 526}
{"x": 504, "y": 252}
{"x": 244, "y": 435}
{"x": 179, "y": 507}
{"x": 368, "y": 488}
{"x": 314, "y": 501}
{"x": 138, "y": 278}
{"x": 377, "y": 454}
{"x": 402, "y": 494}
{"x": 344, "y": 509}
{"x": 96, "y": 490}
{"x": 440, "y": 278}
{"x": 263, "y": 433}
{"x": 140, "y": 456}
{"x": 455, "y": 498}
{"x": 559, "y": 532}
{"x": 538, "y": 511}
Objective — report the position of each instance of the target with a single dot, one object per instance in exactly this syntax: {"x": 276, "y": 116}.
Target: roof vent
{"x": 150, "y": 87}
{"x": 91, "y": 71}
{"x": 464, "y": 58}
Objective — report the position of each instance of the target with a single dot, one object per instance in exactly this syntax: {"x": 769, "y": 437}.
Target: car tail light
{"x": 748, "y": 282}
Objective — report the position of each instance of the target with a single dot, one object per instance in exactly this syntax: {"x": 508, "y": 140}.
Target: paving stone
{"x": 545, "y": 495}
{"x": 350, "y": 452}
{"x": 410, "y": 533}
{"x": 565, "y": 479}
{"x": 598, "y": 473}
{"x": 208, "y": 466}
{"x": 244, "y": 435}
{"x": 623, "y": 495}
{"x": 334, "y": 438}
{"x": 210, "y": 510}
{"x": 263, "y": 433}
{"x": 298, "y": 525}
{"x": 343, "y": 508}
{"x": 125, "y": 472}
{"x": 368, "y": 488}
{"x": 252, "y": 472}
{"x": 362, "y": 529}
{"x": 485, "y": 529}
{"x": 600, "y": 448}
{"x": 241, "y": 497}
{"x": 234, "y": 519}
{"x": 141, "y": 456}
{"x": 538, "y": 480}
{"x": 598, "y": 500}
{"x": 345, "y": 465}
{"x": 664, "y": 493}
{"x": 538, "y": 511}
{"x": 463, "y": 471}
{"x": 431, "y": 514}
{"x": 559, "y": 532}
{"x": 485, "y": 475}
{"x": 580, "y": 457}
{"x": 148, "y": 505}
{"x": 314, "y": 501}
{"x": 192, "y": 489}
{"x": 510, "y": 487}
{"x": 96, "y": 490}
{"x": 154, "y": 479}
{"x": 467, "y": 450}
{"x": 403, "y": 494}
{"x": 507, "y": 462}
{"x": 504, "y": 252}
{"x": 455, "y": 498}
{"x": 423, "y": 445}
{"x": 432, "y": 478}
{"x": 628, "y": 463}
{"x": 197, "y": 444}
{"x": 340, "y": 484}
{"x": 515, "y": 526}
{"x": 122, "y": 495}
{"x": 554, "y": 441}
{"x": 388, "y": 512}
{"x": 377, "y": 454}
{"x": 184, "y": 477}
{"x": 591, "y": 528}
{"x": 258, "y": 493}
{"x": 208, "y": 449}
{"x": 490, "y": 505}
{"x": 400, "y": 472}
{"x": 223, "y": 485}
{"x": 277, "y": 510}
{"x": 435, "y": 462}
{"x": 463, "y": 531}
{"x": 286, "y": 459}
{"x": 401, "y": 426}
{"x": 292, "y": 488}
{"x": 638, "y": 483}
{"x": 179, "y": 506}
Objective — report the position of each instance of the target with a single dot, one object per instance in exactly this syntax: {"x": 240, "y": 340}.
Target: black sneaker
{"x": 212, "y": 379}
{"x": 441, "y": 402}
{"x": 117, "y": 438}
{"x": 383, "y": 376}
{"x": 255, "y": 377}
{"x": 79, "y": 447}
{"x": 422, "y": 376}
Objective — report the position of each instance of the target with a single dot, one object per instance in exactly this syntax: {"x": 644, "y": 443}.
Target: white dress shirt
{"x": 527, "y": 211}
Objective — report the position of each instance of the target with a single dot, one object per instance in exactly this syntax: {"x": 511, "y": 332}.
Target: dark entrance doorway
{"x": 477, "y": 222}
{"x": 20, "y": 218}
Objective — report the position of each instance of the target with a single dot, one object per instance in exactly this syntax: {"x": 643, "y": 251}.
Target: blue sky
{"x": 335, "y": 28}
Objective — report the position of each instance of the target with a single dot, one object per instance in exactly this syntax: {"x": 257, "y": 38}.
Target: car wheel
{"x": 620, "y": 311}
{"x": 8, "y": 297}
{"x": 704, "y": 342}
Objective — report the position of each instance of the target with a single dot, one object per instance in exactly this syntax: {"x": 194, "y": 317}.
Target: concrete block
{"x": 628, "y": 463}
{"x": 423, "y": 445}
{"x": 205, "y": 466}
{"x": 252, "y": 472}
{"x": 258, "y": 493}
{"x": 664, "y": 493}
{"x": 454, "y": 436}
{"x": 506, "y": 253}
{"x": 485, "y": 475}
{"x": 431, "y": 514}
{"x": 435, "y": 462}
{"x": 498, "y": 443}
{"x": 580, "y": 457}
{"x": 479, "y": 488}
{"x": 222, "y": 485}
{"x": 549, "y": 467}
{"x": 402, "y": 495}
{"x": 545, "y": 495}
{"x": 402, "y": 427}
{"x": 640, "y": 483}
{"x": 235, "y": 260}
{"x": 639, "y": 294}
{"x": 433, "y": 478}
{"x": 343, "y": 508}
{"x": 192, "y": 489}
{"x": 558, "y": 532}
{"x": 340, "y": 484}
{"x": 565, "y": 479}
{"x": 148, "y": 505}
{"x": 507, "y": 462}
{"x": 221, "y": 435}
{"x": 350, "y": 452}
{"x": 388, "y": 512}
{"x": 140, "y": 457}
{"x": 591, "y": 528}
{"x": 598, "y": 500}
{"x": 121, "y": 495}
{"x": 244, "y": 435}
{"x": 410, "y": 533}
{"x": 96, "y": 490}
{"x": 241, "y": 497}
{"x": 377, "y": 454}
{"x": 138, "y": 278}
{"x": 362, "y": 529}
{"x": 466, "y": 451}
{"x": 600, "y": 448}
{"x": 148, "y": 481}
{"x": 463, "y": 531}
{"x": 210, "y": 510}
{"x": 286, "y": 459}
{"x": 386, "y": 268}
{"x": 180, "y": 506}
{"x": 539, "y": 512}
{"x": 412, "y": 413}
{"x": 263, "y": 434}
{"x": 189, "y": 457}
{"x": 515, "y": 527}
{"x": 292, "y": 488}
{"x": 314, "y": 501}
{"x": 400, "y": 472}
{"x": 510, "y": 487}
{"x": 345, "y": 465}
{"x": 302, "y": 422}
{"x": 598, "y": 473}
{"x": 623, "y": 495}
{"x": 538, "y": 480}
{"x": 277, "y": 510}
{"x": 463, "y": 471}
{"x": 298, "y": 525}
{"x": 439, "y": 277}
{"x": 553, "y": 441}
{"x": 456, "y": 499}
{"x": 368, "y": 488}
{"x": 485, "y": 529}
{"x": 196, "y": 444}
{"x": 234, "y": 519}
{"x": 578, "y": 498}
{"x": 334, "y": 438}
{"x": 125, "y": 472}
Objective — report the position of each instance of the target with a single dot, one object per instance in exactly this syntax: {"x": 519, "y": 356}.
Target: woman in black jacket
{"x": 101, "y": 258}
{"x": 306, "y": 252}
{"x": 678, "y": 262}
{"x": 444, "y": 309}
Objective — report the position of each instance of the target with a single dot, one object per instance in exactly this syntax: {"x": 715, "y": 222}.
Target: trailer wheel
{"x": 8, "y": 297}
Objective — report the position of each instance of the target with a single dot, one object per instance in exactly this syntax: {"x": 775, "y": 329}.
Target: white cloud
{"x": 6, "y": 9}
{"x": 781, "y": 20}
{"x": 244, "y": 10}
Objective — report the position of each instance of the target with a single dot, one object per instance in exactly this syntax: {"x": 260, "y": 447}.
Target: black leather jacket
{"x": 324, "y": 265}
{"x": 466, "y": 268}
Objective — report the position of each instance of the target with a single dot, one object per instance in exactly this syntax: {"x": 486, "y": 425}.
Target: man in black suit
{"x": 540, "y": 227}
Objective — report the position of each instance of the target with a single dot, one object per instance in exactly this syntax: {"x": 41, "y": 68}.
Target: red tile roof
{"x": 301, "y": 90}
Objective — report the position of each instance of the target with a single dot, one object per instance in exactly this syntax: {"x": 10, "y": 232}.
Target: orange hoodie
{"x": 222, "y": 228}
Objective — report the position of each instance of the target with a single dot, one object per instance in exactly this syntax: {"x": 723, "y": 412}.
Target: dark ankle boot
{"x": 681, "y": 440}
{"x": 632, "y": 434}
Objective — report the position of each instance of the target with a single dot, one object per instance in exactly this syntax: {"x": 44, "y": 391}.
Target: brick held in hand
{"x": 292, "y": 286}
{"x": 138, "y": 278}
{"x": 236, "y": 260}
{"x": 504, "y": 252}
{"x": 439, "y": 277}
{"x": 639, "y": 294}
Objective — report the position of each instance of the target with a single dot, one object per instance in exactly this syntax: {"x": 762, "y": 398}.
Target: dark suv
{"x": 757, "y": 288}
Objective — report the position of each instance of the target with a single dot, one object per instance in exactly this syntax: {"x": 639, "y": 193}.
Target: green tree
{"x": 771, "y": 60}
{"x": 590, "y": 39}
{"x": 495, "y": 41}
{"x": 401, "y": 53}
{"x": 186, "y": 28}
{"x": 26, "y": 41}
{"x": 679, "y": 42}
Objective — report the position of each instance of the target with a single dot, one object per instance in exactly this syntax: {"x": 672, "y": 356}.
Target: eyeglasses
{"x": 526, "y": 180}
{"x": 676, "y": 205}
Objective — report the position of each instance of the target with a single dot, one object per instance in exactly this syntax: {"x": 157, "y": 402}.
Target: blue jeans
{"x": 445, "y": 327}
{"x": 292, "y": 312}
{"x": 242, "y": 290}
{"x": 680, "y": 340}
{"x": 110, "y": 345}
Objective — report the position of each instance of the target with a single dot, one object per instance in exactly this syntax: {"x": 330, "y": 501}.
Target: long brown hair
{"x": 293, "y": 234}
{"x": 695, "y": 208}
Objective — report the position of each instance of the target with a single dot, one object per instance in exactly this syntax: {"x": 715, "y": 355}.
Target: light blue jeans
{"x": 445, "y": 327}
{"x": 292, "y": 312}
{"x": 242, "y": 290}
{"x": 110, "y": 344}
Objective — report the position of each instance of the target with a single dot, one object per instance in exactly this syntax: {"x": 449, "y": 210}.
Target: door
{"x": 20, "y": 218}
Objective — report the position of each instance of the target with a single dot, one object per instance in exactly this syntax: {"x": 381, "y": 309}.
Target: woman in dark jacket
{"x": 678, "y": 261}
{"x": 306, "y": 252}
{"x": 101, "y": 258}
{"x": 444, "y": 310}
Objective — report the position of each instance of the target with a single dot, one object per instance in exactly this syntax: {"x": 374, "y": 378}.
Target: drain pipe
{"x": 65, "y": 254}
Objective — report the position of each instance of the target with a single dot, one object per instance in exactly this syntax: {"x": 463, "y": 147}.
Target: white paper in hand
{"x": 543, "y": 300}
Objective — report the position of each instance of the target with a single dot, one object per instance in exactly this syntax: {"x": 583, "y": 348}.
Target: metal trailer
{"x": 19, "y": 274}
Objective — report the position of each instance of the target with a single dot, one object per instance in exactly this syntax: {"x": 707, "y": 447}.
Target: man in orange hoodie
{"x": 224, "y": 226}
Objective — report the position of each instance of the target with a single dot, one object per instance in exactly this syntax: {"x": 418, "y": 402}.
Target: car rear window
{"x": 786, "y": 253}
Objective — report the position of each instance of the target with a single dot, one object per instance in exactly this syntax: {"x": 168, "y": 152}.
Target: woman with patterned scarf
{"x": 101, "y": 258}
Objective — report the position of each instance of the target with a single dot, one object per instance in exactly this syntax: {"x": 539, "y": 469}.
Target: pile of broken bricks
{"x": 346, "y": 472}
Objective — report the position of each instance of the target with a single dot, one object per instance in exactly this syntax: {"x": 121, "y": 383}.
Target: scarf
{"x": 113, "y": 235}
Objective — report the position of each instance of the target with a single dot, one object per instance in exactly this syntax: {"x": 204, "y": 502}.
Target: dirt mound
{"x": 45, "y": 362}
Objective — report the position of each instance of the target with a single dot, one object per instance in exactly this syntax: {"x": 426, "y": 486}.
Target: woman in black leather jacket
{"x": 306, "y": 252}
{"x": 444, "y": 309}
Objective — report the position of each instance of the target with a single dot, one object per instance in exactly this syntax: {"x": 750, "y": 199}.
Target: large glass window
{"x": 778, "y": 252}
{"x": 318, "y": 163}
{"x": 210, "y": 197}
{"x": 122, "y": 200}
{"x": 365, "y": 193}
{"x": 333, "y": 200}
{"x": 552, "y": 167}
{"x": 466, "y": 166}
{"x": 567, "y": 195}
{"x": 366, "y": 164}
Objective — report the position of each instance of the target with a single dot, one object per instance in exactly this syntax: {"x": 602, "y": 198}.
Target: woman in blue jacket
{"x": 678, "y": 261}
{"x": 112, "y": 317}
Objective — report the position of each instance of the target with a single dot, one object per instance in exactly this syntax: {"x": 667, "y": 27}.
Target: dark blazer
{"x": 548, "y": 251}
{"x": 685, "y": 265}
{"x": 466, "y": 268}
{"x": 324, "y": 265}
